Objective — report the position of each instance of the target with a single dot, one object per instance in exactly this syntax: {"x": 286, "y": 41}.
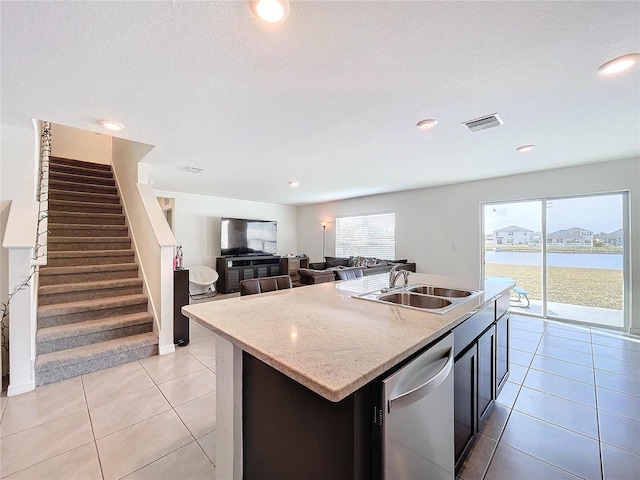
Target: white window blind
{"x": 367, "y": 236}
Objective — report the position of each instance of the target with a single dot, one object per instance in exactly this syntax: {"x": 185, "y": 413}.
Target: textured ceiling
{"x": 331, "y": 97}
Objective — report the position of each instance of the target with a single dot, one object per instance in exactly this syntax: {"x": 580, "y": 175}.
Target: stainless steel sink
{"x": 426, "y": 298}
{"x": 440, "y": 291}
{"x": 415, "y": 300}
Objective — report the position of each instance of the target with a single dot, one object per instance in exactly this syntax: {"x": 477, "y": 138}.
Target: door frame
{"x": 626, "y": 252}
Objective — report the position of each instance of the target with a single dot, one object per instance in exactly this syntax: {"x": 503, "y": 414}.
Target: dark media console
{"x": 232, "y": 270}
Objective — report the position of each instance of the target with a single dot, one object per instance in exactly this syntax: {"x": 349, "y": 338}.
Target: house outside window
{"x": 367, "y": 236}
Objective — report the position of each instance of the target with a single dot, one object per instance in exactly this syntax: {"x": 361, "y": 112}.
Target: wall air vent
{"x": 193, "y": 169}
{"x": 482, "y": 123}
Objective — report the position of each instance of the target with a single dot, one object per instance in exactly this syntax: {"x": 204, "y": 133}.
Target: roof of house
{"x": 615, "y": 234}
{"x": 569, "y": 233}
{"x": 513, "y": 228}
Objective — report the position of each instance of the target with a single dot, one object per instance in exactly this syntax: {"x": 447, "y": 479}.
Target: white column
{"x": 228, "y": 410}
{"x": 19, "y": 239}
{"x": 165, "y": 335}
{"x": 22, "y": 326}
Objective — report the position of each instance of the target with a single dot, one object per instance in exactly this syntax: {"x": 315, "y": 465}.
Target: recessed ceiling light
{"x": 294, "y": 184}
{"x": 271, "y": 11}
{"x": 427, "y": 124}
{"x": 111, "y": 125}
{"x": 525, "y": 148}
{"x": 618, "y": 65}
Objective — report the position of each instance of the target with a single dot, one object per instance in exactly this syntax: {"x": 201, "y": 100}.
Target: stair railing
{"x": 26, "y": 241}
{"x": 42, "y": 195}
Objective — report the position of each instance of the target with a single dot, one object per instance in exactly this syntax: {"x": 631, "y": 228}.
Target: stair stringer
{"x": 152, "y": 241}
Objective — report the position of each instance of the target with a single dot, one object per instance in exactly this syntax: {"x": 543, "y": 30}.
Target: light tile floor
{"x": 571, "y": 409}
{"x": 150, "y": 419}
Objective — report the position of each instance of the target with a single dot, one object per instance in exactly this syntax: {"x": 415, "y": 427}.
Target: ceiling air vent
{"x": 193, "y": 169}
{"x": 483, "y": 123}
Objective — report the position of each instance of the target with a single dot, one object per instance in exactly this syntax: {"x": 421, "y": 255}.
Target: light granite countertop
{"x": 328, "y": 341}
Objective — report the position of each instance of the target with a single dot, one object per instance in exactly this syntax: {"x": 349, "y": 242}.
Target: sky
{"x": 601, "y": 213}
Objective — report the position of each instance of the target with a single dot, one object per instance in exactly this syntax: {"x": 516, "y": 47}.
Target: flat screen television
{"x": 239, "y": 236}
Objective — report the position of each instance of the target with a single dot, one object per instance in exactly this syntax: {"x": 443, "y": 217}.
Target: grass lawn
{"x": 590, "y": 287}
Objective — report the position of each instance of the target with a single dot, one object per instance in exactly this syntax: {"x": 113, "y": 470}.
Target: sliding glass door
{"x": 513, "y": 250}
{"x": 566, "y": 255}
{"x": 584, "y": 257}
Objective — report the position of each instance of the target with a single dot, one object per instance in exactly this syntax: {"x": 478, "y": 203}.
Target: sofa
{"x": 336, "y": 268}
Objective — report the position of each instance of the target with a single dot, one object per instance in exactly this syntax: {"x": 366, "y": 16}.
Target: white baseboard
{"x": 25, "y": 387}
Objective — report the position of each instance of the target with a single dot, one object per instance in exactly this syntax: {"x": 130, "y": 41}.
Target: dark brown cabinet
{"x": 232, "y": 270}
{"x": 486, "y": 370}
{"x": 290, "y": 265}
{"x": 465, "y": 372}
{"x": 502, "y": 343}
{"x": 481, "y": 348}
{"x": 180, "y": 299}
{"x": 502, "y": 352}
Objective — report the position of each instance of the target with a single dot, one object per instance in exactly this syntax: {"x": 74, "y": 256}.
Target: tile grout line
{"x": 595, "y": 391}
{"x": 93, "y": 433}
{"x": 45, "y": 423}
{"x": 513, "y": 406}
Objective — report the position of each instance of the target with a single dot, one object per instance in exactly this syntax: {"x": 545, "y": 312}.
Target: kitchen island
{"x": 324, "y": 340}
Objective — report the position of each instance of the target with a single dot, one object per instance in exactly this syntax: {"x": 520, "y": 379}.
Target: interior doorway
{"x": 567, "y": 255}
{"x": 168, "y": 205}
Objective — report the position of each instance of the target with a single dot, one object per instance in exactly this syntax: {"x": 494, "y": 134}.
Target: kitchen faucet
{"x": 395, "y": 273}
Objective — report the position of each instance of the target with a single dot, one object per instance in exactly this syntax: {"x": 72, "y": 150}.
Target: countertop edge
{"x": 336, "y": 395}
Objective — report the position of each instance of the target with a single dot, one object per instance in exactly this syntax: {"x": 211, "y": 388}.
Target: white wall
{"x": 76, "y": 144}
{"x": 197, "y": 223}
{"x": 17, "y": 170}
{"x": 430, "y": 220}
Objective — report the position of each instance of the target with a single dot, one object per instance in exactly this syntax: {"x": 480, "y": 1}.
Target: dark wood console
{"x": 291, "y": 265}
{"x": 232, "y": 270}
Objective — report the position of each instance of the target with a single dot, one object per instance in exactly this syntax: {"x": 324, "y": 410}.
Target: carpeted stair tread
{"x": 86, "y": 240}
{"x": 89, "y": 253}
{"x": 45, "y": 311}
{"x": 88, "y": 290}
{"x": 86, "y": 207}
{"x": 56, "y": 194}
{"x": 55, "y": 160}
{"x": 81, "y": 171}
{"x": 112, "y": 267}
{"x": 92, "y": 326}
{"x": 84, "y": 218}
{"x": 81, "y": 186}
{"x": 81, "y": 354}
{"x": 80, "y": 168}
{"x": 81, "y": 178}
{"x": 68, "y": 258}
{"x": 62, "y": 229}
{"x": 84, "y": 286}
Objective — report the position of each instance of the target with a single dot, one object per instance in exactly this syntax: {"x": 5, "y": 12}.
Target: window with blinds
{"x": 366, "y": 236}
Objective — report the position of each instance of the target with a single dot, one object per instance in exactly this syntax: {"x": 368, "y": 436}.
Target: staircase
{"x": 91, "y": 310}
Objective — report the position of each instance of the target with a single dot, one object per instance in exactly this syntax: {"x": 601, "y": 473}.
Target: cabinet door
{"x": 465, "y": 407}
{"x": 502, "y": 352}
{"x": 486, "y": 369}
{"x": 233, "y": 280}
{"x": 248, "y": 273}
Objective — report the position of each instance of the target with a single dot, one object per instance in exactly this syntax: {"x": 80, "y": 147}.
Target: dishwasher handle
{"x": 426, "y": 388}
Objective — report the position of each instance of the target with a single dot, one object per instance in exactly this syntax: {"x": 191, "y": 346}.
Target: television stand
{"x": 232, "y": 270}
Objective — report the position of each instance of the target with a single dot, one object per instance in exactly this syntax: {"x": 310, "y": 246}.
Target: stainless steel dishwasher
{"x": 417, "y": 424}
